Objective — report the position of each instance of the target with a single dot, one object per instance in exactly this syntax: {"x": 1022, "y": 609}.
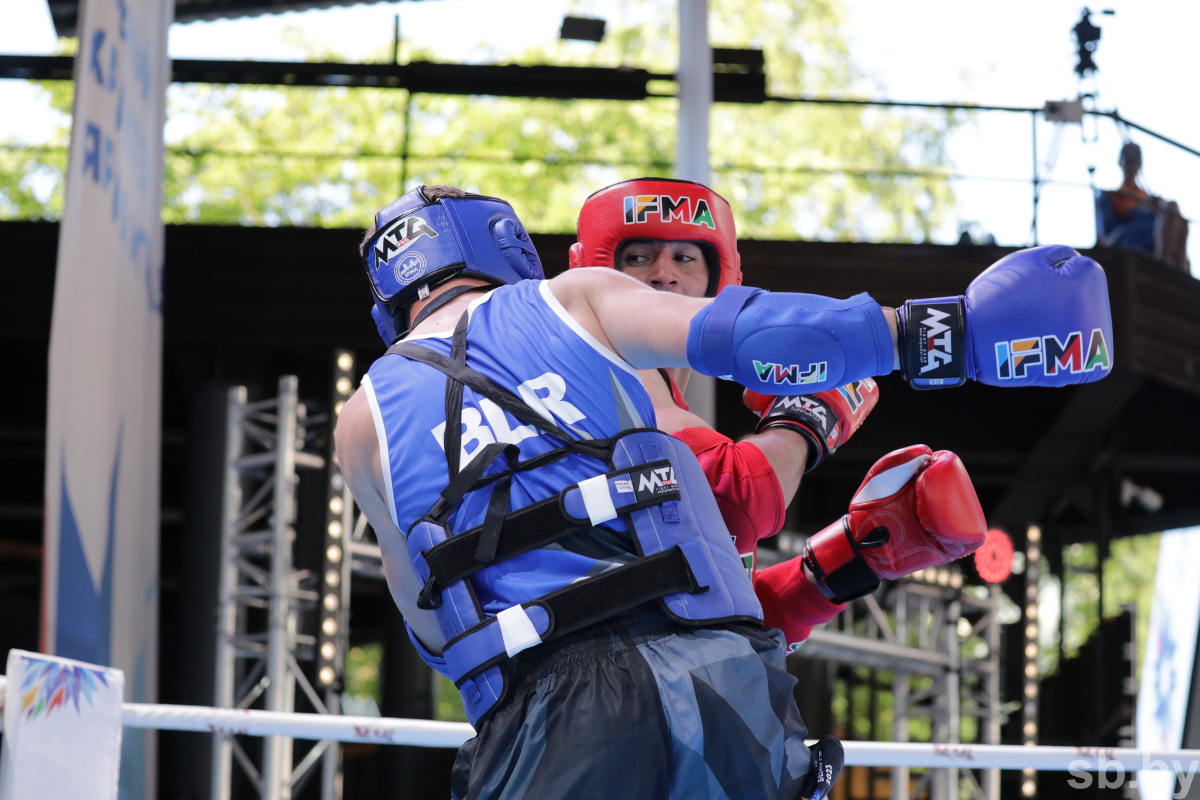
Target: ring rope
{"x": 429, "y": 733}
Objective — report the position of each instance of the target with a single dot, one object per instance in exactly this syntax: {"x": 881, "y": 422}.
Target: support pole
{"x": 695, "y": 78}
{"x": 227, "y": 609}
{"x": 1036, "y": 181}
{"x": 277, "y": 750}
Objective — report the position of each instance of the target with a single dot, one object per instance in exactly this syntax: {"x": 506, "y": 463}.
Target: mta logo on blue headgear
{"x": 687, "y": 210}
{"x": 397, "y": 237}
{"x": 1014, "y": 358}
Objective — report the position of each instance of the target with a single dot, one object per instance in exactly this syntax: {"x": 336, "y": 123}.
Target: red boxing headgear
{"x": 658, "y": 208}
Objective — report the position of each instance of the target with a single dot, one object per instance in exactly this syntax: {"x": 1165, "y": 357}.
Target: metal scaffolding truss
{"x": 261, "y": 598}
{"x": 941, "y": 644}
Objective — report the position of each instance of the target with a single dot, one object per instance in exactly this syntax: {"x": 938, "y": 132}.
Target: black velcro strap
{"x": 619, "y": 589}
{"x": 596, "y": 599}
{"x": 808, "y": 415}
{"x": 849, "y": 580}
{"x": 525, "y": 529}
{"x": 933, "y": 351}
{"x": 497, "y": 508}
{"x": 471, "y": 478}
{"x": 535, "y": 525}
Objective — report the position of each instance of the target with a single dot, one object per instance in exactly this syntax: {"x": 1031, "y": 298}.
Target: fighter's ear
{"x": 517, "y": 247}
{"x": 575, "y": 259}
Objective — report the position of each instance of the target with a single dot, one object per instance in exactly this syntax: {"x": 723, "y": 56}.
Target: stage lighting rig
{"x": 1087, "y": 38}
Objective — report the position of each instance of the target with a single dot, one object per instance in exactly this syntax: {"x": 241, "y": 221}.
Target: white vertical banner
{"x": 1166, "y": 679}
{"x": 62, "y": 729}
{"x": 100, "y": 569}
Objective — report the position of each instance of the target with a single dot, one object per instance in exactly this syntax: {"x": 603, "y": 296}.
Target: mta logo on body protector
{"x": 1048, "y": 353}
{"x": 682, "y": 209}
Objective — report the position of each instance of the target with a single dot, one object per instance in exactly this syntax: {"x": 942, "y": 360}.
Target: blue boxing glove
{"x": 1037, "y": 317}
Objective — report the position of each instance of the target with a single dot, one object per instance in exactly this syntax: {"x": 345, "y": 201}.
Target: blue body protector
{"x": 565, "y": 512}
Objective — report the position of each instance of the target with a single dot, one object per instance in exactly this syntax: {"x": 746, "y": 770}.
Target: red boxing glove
{"x": 826, "y": 419}
{"x": 916, "y": 508}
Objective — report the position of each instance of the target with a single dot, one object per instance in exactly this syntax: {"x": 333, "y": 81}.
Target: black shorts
{"x": 642, "y": 708}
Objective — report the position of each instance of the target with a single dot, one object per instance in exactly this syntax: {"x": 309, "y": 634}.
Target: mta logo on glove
{"x": 1037, "y": 317}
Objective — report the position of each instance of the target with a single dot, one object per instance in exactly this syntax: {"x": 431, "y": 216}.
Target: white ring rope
{"x": 381, "y": 730}
{"x": 428, "y": 733}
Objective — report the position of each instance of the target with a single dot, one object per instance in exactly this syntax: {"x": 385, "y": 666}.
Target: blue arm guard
{"x": 774, "y": 343}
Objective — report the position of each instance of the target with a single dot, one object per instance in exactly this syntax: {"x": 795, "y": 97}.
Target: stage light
{"x": 1033, "y": 534}
{"x": 1028, "y": 788}
{"x": 1031, "y": 690}
{"x": 1031, "y": 650}
{"x": 994, "y": 561}
{"x": 1034, "y": 552}
{"x": 1031, "y": 729}
{"x": 1031, "y": 670}
{"x": 1031, "y": 611}
{"x": 1031, "y": 631}
{"x": 333, "y": 591}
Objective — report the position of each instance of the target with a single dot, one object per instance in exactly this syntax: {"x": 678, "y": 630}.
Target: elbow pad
{"x": 776, "y": 343}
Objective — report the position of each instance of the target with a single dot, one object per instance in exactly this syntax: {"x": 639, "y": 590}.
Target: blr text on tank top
{"x": 522, "y": 338}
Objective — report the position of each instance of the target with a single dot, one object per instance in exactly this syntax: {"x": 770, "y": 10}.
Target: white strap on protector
{"x": 597, "y": 500}
{"x": 890, "y": 481}
{"x": 517, "y": 629}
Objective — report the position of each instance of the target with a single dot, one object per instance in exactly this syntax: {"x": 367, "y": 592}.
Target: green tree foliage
{"x": 332, "y": 156}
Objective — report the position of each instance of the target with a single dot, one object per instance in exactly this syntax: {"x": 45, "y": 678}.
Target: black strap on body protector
{"x": 591, "y": 600}
{"x": 536, "y": 525}
{"x": 503, "y": 535}
{"x": 461, "y": 482}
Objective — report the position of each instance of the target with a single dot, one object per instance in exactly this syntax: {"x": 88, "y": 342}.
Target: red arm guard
{"x": 747, "y": 491}
{"x": 791, "y": 602}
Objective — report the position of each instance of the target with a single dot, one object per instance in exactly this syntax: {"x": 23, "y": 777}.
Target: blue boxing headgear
{"x": 421, "y": 242}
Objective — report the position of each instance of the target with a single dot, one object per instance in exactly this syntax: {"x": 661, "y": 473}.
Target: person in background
{"x": 1131, "y": 217}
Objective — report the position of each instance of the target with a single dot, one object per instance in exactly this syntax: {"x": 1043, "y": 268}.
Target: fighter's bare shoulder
{"x": 583, "y": 285}
{"x": 647, "y": 328}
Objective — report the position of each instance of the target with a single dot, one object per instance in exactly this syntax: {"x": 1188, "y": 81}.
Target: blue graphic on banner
{"x": 85, "y": 612}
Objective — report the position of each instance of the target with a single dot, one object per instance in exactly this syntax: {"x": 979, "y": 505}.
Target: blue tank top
{"x": 522, "y": 338}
